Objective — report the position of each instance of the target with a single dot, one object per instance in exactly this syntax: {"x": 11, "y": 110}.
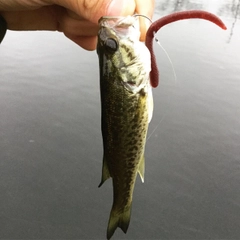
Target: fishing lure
{"x": 176, "y": 16}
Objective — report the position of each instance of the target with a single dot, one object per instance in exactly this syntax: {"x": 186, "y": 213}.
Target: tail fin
{"x": 120, "y": 220}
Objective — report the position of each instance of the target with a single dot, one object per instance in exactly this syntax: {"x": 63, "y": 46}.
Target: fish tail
{"x": 120, "y": 220}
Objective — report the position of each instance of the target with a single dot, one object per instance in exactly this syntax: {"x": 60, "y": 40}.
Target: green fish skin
{"x": 126, "y": 103}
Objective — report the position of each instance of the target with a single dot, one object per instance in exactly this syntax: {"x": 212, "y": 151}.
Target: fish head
{"x": 123, "y": 58}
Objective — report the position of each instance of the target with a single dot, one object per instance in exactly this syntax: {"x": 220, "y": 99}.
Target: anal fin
{"x": 105, "y": 172}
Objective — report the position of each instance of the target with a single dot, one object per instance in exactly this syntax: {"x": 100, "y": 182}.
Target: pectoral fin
{"x": 105, "y": 172}
{"x": 141, "y": 168}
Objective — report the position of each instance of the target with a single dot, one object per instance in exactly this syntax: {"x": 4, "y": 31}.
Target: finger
{"x": 145, "y": 8}
{"x": 93, "y": 10}
{"x": 22, "y": 5}
{"x": 121, "y": 8}
{"x": 73, "y": 26}
{"x": 84, "y": 8}
{"x": 88, "y": 43}
{"x": 40, "y": 19}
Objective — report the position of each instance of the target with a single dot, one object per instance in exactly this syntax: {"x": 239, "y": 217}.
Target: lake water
{"x": 51, "y": 146}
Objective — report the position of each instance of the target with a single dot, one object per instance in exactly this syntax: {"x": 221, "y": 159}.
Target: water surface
{"x": 51, "y": 147}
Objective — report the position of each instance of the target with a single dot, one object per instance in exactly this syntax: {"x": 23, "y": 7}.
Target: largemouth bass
{"x": 126, "y": 102}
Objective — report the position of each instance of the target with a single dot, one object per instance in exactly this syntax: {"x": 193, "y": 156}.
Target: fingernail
{"x": 115, "y": 8}
{"x": 121, "y": 7}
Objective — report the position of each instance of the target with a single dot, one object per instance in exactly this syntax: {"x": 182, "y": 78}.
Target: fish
{"x": 126, "y": 110}
{"x": 128, "y": 72}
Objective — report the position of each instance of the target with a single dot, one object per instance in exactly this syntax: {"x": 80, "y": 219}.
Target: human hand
{"x": 77, "y": 19}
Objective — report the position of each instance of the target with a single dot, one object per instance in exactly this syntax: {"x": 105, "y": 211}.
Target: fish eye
{"x": 111, "y": 45}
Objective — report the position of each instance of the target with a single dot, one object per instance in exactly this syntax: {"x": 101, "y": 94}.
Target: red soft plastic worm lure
{"x": 155, "y": 26}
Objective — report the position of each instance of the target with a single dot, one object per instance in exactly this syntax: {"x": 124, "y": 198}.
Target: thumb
{"x": 93, "y": 10}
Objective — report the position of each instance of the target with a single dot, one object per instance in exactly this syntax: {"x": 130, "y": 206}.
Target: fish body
{"x": 126, "y": 105}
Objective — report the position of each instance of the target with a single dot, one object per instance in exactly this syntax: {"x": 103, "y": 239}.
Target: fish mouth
{"x": 122, "y": 26}
{"x": 116, "y": 21}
